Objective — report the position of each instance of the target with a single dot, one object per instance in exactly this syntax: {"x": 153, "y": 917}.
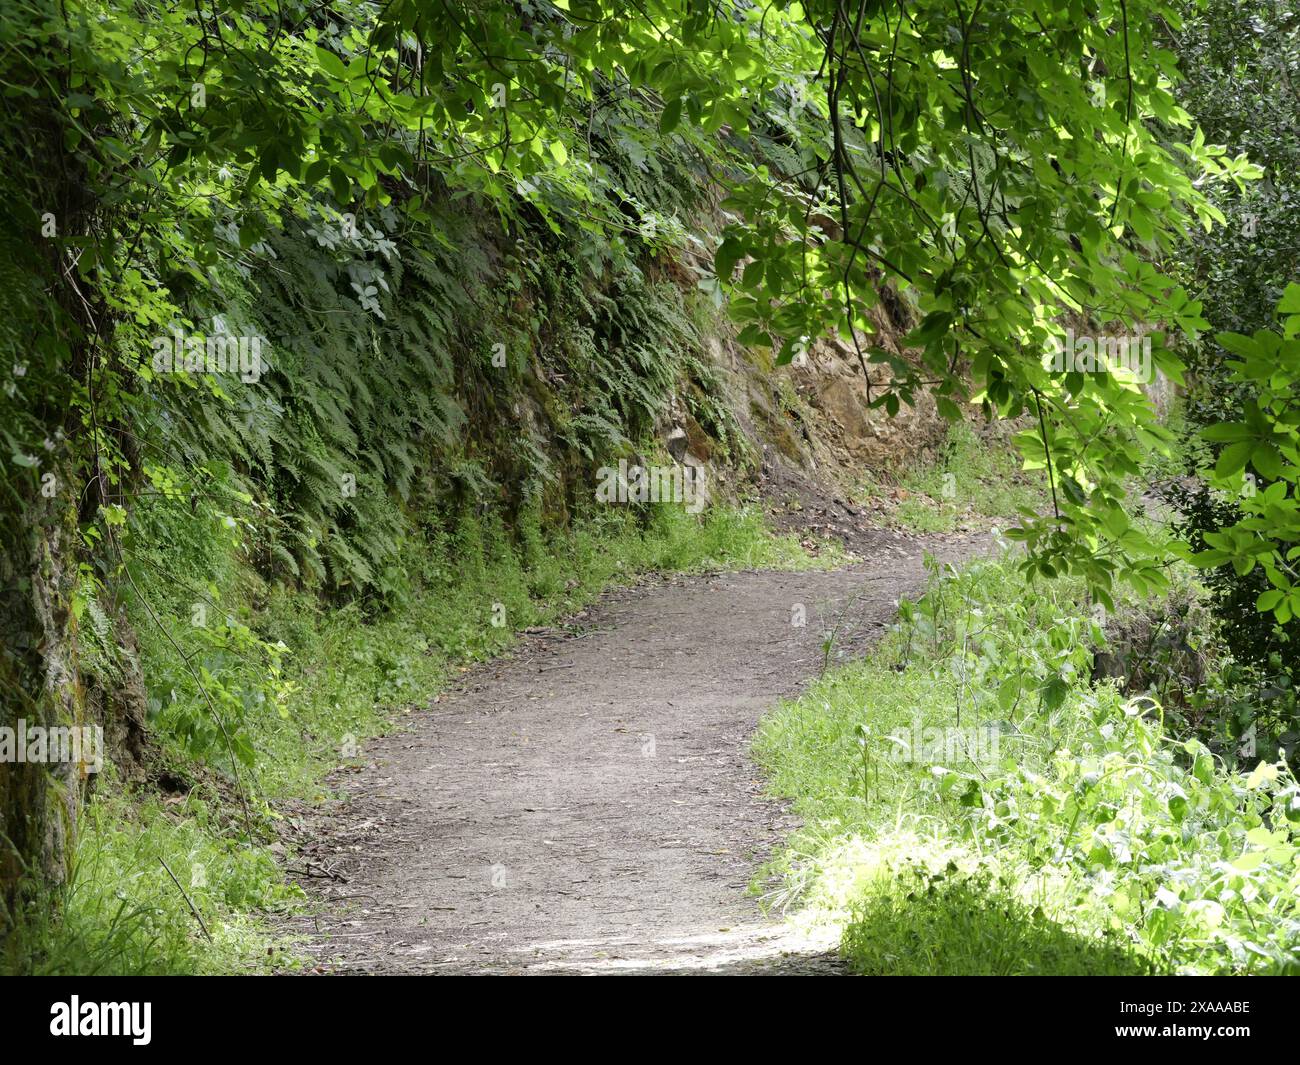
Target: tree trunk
{"x": 39, "y": 675}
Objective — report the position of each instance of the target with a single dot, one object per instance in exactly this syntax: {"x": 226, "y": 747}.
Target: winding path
{"x": 587, "y": 803}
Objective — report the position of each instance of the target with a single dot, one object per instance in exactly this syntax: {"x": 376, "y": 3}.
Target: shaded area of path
{"x": 587, "y": 803}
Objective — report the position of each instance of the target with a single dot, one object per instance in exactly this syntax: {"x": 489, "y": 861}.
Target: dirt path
{"x": 587, "y": 804}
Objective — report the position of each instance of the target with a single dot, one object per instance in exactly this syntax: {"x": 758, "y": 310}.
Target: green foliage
{"x": 122, "y": 914}
{"x": 1005, "y": 162}
{"x": 1002, "y": 168}
{"x": 1240, "y": 60}
{"x": 1196, "y": 864}
{"x": 1258, "y": 465}
{"x": 915, "y": 921}
{"x": 1079, "y": 804}
{"x": 1176, "y": 651}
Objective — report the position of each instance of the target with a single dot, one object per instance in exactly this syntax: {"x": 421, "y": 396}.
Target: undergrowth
{"x": 970, "y": 784}
{"x": 122, "y": 913}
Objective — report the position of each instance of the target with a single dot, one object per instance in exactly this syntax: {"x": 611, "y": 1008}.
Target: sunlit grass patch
{"x": 1085, "y": 835}
{"x": 916, "y": 920}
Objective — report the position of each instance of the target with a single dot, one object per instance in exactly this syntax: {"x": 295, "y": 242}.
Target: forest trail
{"x": 587, "y": 803}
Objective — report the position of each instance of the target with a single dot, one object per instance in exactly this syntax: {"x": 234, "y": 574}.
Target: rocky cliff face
{"x": 809, "y": 429}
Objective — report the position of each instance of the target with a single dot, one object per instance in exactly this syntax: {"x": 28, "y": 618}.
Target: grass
{"x": 121, "y": 913}
{"x": 975, "y": 803}
{"x": 918, "y": 921}
{"x": 975, "y": 478}
{"x": 301, "y": 683}
{"x": 831, "y": 750}
{"x": 880, "y": 857}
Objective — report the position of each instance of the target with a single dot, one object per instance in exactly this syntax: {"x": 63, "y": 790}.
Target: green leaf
{"x": 948, "y": 408}
{"x": 1290, "y": 301}
{"x": 1266, "y": 459}
{"x": 1178, "y": 807}
{"x": 1232, "y": 460}
{"x": 342, "y": 186}
{"x": 1268, "y": 600}
{"x": 1224, "y": 432}
{"x": 1238, "y": 344}
{"x": 724, "y": 260}
{"x": 1250, "y": 861}
{"x": 331, "y": 64}
{"x": 670, "y": 116}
